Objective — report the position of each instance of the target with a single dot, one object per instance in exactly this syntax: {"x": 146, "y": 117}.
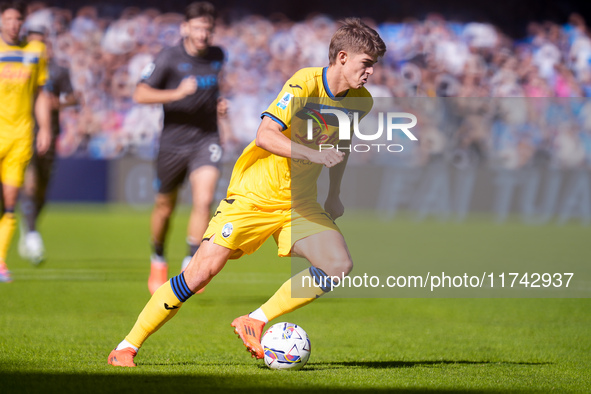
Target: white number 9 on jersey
{"x": 216, "y": 153}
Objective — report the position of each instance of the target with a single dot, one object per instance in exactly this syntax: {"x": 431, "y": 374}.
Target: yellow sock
{"x": 282, "y": 302}
{"x": 7, "y": 226}
{"x": 163, "y": 305}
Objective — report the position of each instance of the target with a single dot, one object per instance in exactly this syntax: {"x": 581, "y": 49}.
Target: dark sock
{"x": 29, "y": 211}
{"x": 192, "y": 249}
{"x": 158, "y": 249}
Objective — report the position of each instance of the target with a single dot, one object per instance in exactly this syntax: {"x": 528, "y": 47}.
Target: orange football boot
{"x": 123, "y": 357}
{"x": 250, "y": 331}
{"x": 158, "y": 276}
{"x": 4, "y": 273}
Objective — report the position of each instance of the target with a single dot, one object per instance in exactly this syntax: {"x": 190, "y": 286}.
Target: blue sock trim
{"x": 8, "y": 210}
{"x": 322, "y": 280}
{"x": 180, "y": 288}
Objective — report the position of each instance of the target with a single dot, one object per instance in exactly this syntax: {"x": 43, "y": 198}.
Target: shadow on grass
{"x": 320, "y": 366}
{"x": 410, "y": 364}
{"x": 136, "y": 380}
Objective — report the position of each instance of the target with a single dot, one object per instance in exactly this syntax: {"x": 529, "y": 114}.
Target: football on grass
{"x": 286, "y": 346}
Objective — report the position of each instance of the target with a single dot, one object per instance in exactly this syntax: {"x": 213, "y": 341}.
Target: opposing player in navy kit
{"x": 184, "y": 78}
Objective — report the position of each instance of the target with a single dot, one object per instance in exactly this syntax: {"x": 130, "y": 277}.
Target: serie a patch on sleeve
{"x": 285, "y": 100}
{"x": 148, "y": 70}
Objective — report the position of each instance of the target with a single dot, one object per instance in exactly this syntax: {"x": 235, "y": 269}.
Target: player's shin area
{"x": 205, "y": 264}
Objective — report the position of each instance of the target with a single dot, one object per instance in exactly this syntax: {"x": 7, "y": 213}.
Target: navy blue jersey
{"x": 188, "y": 120}
{"x": 57, "y": 84}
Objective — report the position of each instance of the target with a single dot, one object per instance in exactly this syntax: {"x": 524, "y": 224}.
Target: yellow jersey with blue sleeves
{"x": 266, "y": 178}
{"x": 23, "y": 70}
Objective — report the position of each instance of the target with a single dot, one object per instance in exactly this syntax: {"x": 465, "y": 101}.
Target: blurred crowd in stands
{"x": 541, "y": 77}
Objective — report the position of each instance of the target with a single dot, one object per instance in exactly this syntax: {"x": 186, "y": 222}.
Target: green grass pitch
{"x": 59, "y": 321}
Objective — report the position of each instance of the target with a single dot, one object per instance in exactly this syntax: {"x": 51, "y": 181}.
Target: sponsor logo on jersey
{"x": 207, "y": 81}
{"x": 184, "y": 67}
{"x": 14, "y": 73}
{"x": 227, "y": 230}
{"x": 285, "y": 100}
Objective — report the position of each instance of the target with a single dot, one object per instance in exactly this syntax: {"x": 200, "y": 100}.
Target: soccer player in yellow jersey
{"x": 23, "y": 71}
{"x": 259, "y": 202}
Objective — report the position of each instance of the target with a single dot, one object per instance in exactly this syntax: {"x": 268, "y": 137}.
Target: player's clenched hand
{"x": 328, "y": 157}
{"x": 334, "y": 207}
{"x": 187, "y": 87}
{"x": 222, "y": 107}
{"x": 43, "y": 141}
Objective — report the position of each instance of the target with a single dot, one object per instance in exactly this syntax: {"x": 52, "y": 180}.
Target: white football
{"x": 286, "y": 346}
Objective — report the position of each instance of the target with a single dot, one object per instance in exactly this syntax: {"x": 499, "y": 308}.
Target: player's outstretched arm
{"x": 271, "y": 138}
{"x": 43, "y": 116}
{"x": 227, "y": 136}
{"x": 145, "y": 94}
